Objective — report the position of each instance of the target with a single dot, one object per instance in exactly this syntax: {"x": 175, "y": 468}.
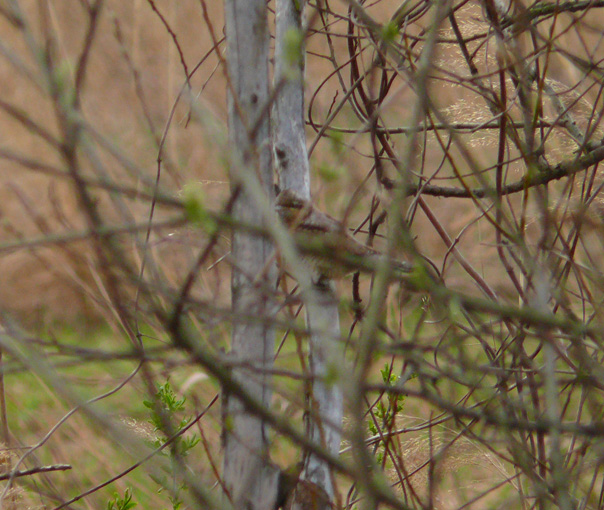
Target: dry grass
{"x": 65, "y": 290}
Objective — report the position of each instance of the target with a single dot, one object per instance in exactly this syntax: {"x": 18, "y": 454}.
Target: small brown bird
{"x": 324, "y": 241}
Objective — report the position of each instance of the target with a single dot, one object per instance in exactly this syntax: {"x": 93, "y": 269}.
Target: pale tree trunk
{"x": 289, "y": 142}
{"x": 289, "y": 138}
{"x": 246, "y": 472}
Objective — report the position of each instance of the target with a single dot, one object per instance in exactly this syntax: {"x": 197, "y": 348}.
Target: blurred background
{"x": 110, "y": 117}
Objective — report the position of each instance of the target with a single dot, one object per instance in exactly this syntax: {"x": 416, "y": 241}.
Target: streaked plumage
{"x": 324, "y": 242}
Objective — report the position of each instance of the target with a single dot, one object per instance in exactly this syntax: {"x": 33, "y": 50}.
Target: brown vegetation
{"x": 481, "y": 385}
